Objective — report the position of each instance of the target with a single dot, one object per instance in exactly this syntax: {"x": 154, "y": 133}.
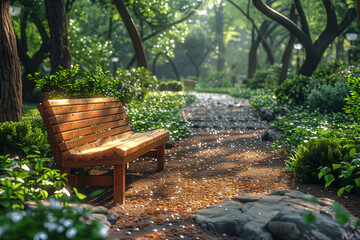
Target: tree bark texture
{"x": 60, "y": 54}
{"x": 10, "y": 72}
{"x": 133, "y": 33}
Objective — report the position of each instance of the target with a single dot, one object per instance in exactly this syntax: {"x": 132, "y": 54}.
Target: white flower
{"x": 51, "y": 226}
{"x": 25, "y": 167}
{"x": 70, "y": 233}
{"x": 103, "y": 232}
{"x": 54, "y": 204}
{"x": 41, "y": 236}
{"x": 60, "y": 229}
{"x": 15, "y": 217}
{"x": 68, "y": 222}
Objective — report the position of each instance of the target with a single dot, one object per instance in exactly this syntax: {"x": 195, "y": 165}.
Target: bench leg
{"x": 160, "y": 154}
{"x": 119, "y": 183}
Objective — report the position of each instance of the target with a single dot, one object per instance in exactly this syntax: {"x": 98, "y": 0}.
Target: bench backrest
{"x": 81, "y": 123}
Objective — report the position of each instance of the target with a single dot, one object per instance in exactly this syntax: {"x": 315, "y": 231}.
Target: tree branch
{"x": 303, "y": 21}
{"x": 285, "y": 22}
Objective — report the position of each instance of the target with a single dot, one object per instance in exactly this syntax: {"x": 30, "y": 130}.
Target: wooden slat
{"x": 140, "y": 141}
{"x": 81, "y": 108}
{"x": 64, "y": 136}
{"x": 87, "y": 122}
{"x": 79, "y": 101}
{"x": 84, "y": 115}
{"x": 144, "y": 150}
{"x": 126, "y": 145}
{"x": 107, "y": 142}
{"x": 93, "y": 137}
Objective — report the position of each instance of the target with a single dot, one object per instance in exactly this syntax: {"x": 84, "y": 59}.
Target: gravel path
{"x": 223, "y": 156}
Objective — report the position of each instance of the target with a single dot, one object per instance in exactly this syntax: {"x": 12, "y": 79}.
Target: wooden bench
{"x": 189, "y": 84}
{"x": 92, "y": 132}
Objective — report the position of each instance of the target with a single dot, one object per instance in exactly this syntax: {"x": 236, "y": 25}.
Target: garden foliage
{"x": 128, "y": 85}
{"x": 174, "y": 86}
{"x": 321, "y": 152}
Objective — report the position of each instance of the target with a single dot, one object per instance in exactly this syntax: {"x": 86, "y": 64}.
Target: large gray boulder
{"x": 266, "y": 114}
{"x": 271, "y": 216}
{"x": 283, "y": 111}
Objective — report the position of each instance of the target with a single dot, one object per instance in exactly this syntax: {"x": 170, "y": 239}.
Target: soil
{"x": 222, "y": 157}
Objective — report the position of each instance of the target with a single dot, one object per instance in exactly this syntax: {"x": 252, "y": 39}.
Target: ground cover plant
{"x": 316, "y": 134}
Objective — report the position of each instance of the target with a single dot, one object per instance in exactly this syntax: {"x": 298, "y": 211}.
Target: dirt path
{"x": 222, "y": 157}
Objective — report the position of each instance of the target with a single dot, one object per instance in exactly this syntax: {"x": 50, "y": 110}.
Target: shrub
{"x": 266, "y": 100}
{"x": 14, "y": 135}
{"x": 173, "y": 86}
{"x": 159, "y": 110}
{"x": 56, "y": 221}
{"x": 292, "y": 90}
{"x": 328, "y": 98}
{"x": 128, "y": 85}
{"x": 350, "y": 173}
{"x": 316, "y": 153}
{"x": 266, "y": 78}
{"x": 353, "y": 99}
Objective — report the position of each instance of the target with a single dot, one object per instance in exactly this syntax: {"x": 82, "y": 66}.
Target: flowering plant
{"x": 56, "y": 221}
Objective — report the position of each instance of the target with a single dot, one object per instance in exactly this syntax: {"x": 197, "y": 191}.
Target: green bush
{"x": 159, "y": 110}
{"x": 328, "y": 98}
{"x": 15, "y": 135}
{"x": 266, "y": 100}
{"x": 173, "y": 86}
{"x": 353, "y": 99}
{"x": 56, "y": 221}
{"x": 217, "y": 79}
{"x": 292, "y": 90}
{"x": 321, "y": 152}
{"x": 128, "y": 85}
{"x": 266, "y": 78}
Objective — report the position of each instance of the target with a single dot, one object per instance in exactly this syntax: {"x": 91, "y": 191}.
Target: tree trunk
{"x": 286, "y": 58}
{"x": 220, "y": 36}
{"x": 174, "y": 68}
{"x": 133, "y": 33}
{"x": 340, "y": 52}
{"x": 252, "y": 55}
{"x": 10, "y": 72}
{"x": 60, "y": 54}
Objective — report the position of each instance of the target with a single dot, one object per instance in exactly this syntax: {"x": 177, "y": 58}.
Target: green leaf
{"x": 308, "y": 218}
{"x": 346, "y": 174}
{"x": 320, "y": 174}
{"x": 329, "y": 178}
{"x": 336, "y": 166}
{"x": 352, "y": 152}
{"x": 340, "y": 191}
{"x": 357, "y": 181}
{"x": 348, "y": 188}
{"x": 96, "y": 193}
{"x": 341, "y": 215}
{"x": 79, "y": 195}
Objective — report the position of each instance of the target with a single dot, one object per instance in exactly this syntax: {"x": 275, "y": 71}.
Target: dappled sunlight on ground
{"x": 220, "y": 159}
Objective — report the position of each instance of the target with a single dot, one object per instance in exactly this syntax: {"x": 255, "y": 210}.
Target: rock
{"x": 170, "y": 144}
{"x": 270, "y": 135}
{"x": 283, "y": 111}
{"x": 113, "y": 217}
{"x": 295, "y": 111}
{"x": 289, "y": 225}
{"x": 277, "y": 215}
{"x": 266, "y": 114}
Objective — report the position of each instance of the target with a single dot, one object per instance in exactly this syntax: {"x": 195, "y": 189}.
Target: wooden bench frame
{"x": 93, "y": 132}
